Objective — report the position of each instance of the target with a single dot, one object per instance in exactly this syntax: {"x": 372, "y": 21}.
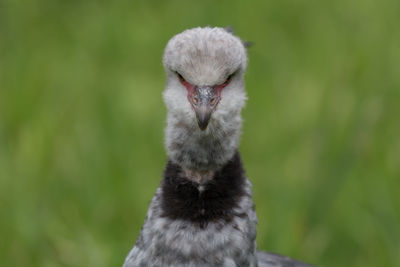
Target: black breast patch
{"x": 181, "y": 198}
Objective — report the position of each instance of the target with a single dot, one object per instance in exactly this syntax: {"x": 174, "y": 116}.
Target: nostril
{"x": 195, "y": 100}
{"x": 213, "y": 100}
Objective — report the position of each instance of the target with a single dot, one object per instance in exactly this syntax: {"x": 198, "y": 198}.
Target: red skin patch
{"x": 191, "y": 88}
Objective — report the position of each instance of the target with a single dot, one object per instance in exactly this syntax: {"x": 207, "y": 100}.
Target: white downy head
{"x": 204, "y": 96}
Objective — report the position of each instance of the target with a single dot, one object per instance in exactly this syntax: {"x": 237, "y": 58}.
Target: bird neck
{"x": 201, "y": 153}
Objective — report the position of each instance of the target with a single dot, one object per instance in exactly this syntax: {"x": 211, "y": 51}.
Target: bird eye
{"x": 180, "y": 77}
{"x": 228, "y": 79}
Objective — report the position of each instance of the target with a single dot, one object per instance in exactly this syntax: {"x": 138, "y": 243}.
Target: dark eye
{"x": 228, "y": 79}
{"x": 226, "y": 82}
{"x": 180, "y": 77}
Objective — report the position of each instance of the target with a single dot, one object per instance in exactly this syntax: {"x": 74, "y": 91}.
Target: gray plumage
{"x": 203, "y": 212}
{"x": 266, "y": 259}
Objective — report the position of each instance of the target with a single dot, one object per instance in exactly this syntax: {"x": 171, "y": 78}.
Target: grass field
{"x": 81, "y": 125}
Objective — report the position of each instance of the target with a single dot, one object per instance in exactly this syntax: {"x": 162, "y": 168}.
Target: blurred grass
{"x": 81, "y": 125}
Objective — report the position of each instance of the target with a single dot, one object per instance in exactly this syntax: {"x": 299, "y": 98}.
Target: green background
{"x": 81, "y": 125}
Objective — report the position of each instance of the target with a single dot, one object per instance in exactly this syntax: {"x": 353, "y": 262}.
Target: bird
{"x": 203, "y": 213}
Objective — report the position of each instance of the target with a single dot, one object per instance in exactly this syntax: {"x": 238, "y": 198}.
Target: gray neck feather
{"x": 207, "y": 150}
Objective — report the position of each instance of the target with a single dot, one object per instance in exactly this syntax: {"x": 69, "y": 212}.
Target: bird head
{"x": 205, "y": 69}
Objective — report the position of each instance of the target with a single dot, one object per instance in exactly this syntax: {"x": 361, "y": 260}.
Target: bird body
{"x": 203, "y": 212}
{"x": 189, "y": 226}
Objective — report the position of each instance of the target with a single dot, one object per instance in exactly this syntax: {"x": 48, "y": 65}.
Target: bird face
{"x": 203, "y": 99}
{"x": 205, "y": 68}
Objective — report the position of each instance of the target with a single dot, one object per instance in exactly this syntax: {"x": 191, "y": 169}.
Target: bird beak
{"x": 204, "y": 100}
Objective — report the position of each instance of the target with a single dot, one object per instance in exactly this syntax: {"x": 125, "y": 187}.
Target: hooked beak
{"x": 204, "y": 100}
